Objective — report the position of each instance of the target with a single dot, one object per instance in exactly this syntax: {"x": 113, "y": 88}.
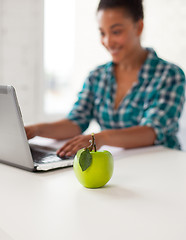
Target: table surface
{"x": 144, "y": 200}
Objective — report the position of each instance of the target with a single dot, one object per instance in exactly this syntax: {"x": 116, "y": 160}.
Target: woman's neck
{"x": 134, "y": 61}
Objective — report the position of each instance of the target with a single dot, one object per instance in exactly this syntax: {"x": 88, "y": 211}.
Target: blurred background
{"x": 48, "y": 47}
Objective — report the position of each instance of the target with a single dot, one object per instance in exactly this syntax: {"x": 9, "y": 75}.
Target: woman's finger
{"x": 66, "y": 146}
{"x": 72, "y": 146}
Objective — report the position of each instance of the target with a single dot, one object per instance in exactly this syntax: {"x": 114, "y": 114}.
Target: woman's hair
{"x": 133, "y": 7}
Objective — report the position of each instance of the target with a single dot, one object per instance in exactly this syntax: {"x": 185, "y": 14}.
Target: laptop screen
{"x": 14, "y": 148}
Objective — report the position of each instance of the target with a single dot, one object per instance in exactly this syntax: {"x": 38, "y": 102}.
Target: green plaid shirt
{"x": 156, "y": 100}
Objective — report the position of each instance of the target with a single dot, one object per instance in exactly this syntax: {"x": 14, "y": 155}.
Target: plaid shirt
{"x": 156, "y": 100}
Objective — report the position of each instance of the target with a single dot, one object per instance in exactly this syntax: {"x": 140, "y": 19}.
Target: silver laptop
{"x": 14, "y": 147}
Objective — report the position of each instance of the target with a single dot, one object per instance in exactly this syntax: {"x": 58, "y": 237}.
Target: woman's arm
{"x": 59, "y": 130}
{"x": 133, "y": 137}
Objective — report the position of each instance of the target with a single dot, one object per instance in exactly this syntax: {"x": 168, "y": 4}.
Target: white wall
{"x": 165, "y": 29}
{"x": 21, "y": 39}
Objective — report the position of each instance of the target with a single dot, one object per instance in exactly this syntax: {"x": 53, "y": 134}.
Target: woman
{"x": 137, "y": 98}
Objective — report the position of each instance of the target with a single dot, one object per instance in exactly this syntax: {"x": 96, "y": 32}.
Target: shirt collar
{"x": 151, "y": 55}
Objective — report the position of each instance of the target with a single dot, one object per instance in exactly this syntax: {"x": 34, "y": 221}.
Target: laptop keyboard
{"x": 44, "y": 157}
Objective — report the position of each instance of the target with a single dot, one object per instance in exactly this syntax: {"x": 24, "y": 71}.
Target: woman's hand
{"x": 76, "y": 143}
{"x": 31, "y": 131}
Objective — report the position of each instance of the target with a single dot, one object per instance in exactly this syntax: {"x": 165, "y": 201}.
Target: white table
{"x": 144, "y": 200}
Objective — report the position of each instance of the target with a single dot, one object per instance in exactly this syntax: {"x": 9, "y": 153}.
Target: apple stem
{"x": 93, "y": 144}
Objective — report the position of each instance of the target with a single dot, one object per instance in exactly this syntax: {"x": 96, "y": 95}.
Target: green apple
{"x": 93, "y": 168}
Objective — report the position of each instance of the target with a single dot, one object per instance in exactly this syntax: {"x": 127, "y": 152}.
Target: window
{"x": 59, "y": 44}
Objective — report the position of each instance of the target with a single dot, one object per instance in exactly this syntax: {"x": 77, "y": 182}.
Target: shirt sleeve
{"x": 166, "y": 105}
{"x": 82, "y": 111}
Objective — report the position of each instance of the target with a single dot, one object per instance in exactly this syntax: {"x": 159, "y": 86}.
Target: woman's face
{"x": 120, "y": 35}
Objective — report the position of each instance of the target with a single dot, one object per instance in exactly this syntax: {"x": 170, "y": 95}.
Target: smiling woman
{"x": 120, "y": 36}
{"x": 136, "y": 98}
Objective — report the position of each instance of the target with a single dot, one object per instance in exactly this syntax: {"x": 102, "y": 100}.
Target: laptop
{"x": 15, "y": 149}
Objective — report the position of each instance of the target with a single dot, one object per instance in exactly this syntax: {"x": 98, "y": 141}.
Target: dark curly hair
{"x": 133, "y": 7}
